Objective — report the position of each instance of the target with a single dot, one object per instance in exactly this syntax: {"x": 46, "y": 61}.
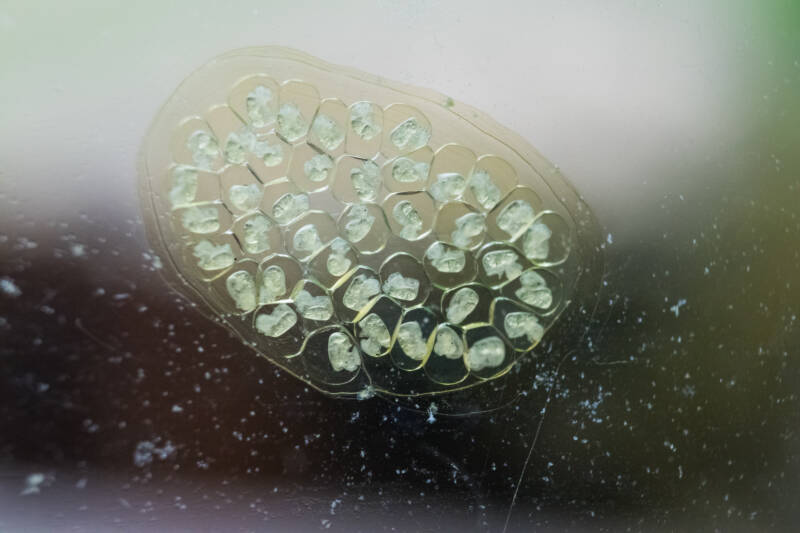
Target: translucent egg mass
{"x": 366, "y": 236}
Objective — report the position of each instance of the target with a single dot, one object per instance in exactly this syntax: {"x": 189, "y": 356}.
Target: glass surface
{"x": 662, "y": 396}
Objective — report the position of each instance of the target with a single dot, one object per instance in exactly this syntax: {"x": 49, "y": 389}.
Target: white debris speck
{"x": 146, "y": 451}
{"x": 32, "y": 484}
{"x": 432, "y": 410}
{"x": 153, "y": 261}
{"x": 677, "y": 307}
{"x": 78, "y": 250}
{"x": 366, "y": 393}
{"x": 24, "y": 243}
{"x": 9, "y": 288}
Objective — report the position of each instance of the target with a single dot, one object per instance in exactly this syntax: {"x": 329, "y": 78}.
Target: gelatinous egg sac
{"x": 360, "y": 236}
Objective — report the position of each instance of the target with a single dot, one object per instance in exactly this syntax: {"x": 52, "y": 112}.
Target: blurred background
{"x": 122, "y": 408}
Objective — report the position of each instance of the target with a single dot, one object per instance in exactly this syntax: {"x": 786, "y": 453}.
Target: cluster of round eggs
{"x": 335, "y": 233}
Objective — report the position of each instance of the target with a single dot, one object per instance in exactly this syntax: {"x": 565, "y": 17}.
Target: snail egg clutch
{"x": 363, "y": 235}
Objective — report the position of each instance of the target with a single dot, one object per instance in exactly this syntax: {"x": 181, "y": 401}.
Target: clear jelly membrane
{"x": 365, "y": 236}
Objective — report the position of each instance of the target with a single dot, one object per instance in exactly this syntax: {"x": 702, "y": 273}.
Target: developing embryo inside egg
{"x": 366, "y": 236}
